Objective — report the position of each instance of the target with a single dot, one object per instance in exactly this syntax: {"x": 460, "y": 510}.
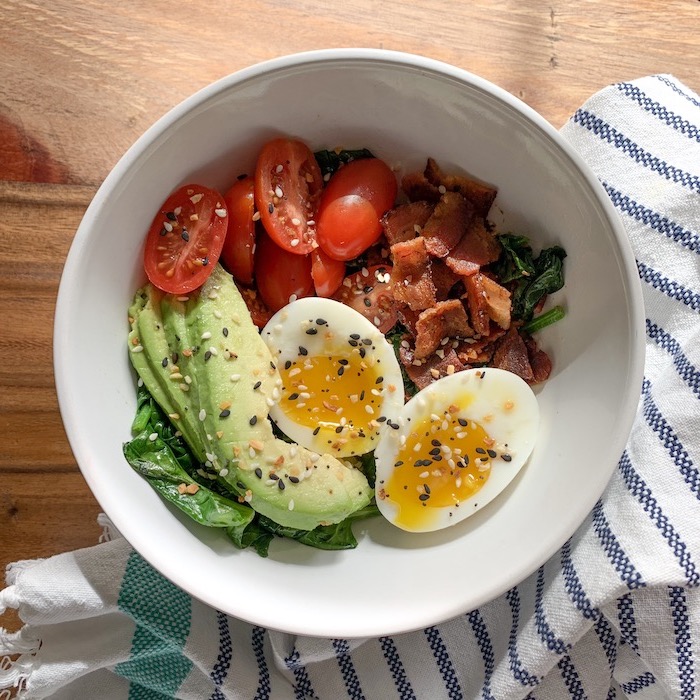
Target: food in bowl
{"x": 285, "y": 323}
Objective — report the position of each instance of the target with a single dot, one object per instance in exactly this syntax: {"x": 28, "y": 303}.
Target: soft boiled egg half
{"x": 455, "y": 446}
{"x": 340, "y": 377}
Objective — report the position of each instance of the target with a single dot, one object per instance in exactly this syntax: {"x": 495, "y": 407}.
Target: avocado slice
{"x": 224, "y": 382}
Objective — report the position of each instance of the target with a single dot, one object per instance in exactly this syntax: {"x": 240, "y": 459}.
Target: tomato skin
{"x": 287, "y": 167}
{"x": 327, "y": 273}
{"x": 370, "y": 294}
{"x": 239, "y": 246}
{"x": 369, "y": 178}
{"x": 348, "y": 219}
{"x": 347, "y": 226}
{"x": 279, "y": 273}
{"x": 185, "y": 239}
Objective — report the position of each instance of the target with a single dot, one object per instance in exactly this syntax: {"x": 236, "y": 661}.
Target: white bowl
{"x": 404, "y": 108}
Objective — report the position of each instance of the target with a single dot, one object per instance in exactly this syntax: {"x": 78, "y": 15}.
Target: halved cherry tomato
{"x": 369, "y": 292}
{"x": 326, "y": 272}
{"x": 185, "y": 239}
{"x": 279, "y": 273}
{"x": 348, "y": 219}
{"x": 239, "y": 246}
{"x": 288, "y": 185}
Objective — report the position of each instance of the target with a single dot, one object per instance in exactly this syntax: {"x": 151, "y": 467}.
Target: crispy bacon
{"x": 477, "y": 247}
{"x": 479, "y": 351}
{"x": 400, "y": 224}
{"x": 511, "y": 354}
{"x": 497, "y": 302}
{"x": 423, "y": 372}
{"x": 443, "y": 279}
{"x": 480, "y": 194}
{"x": 417, "y": 188}
{"x": 476, "y": 301}
{"x": 447, "y": 319}
{"x": 410, "y": 277}
{"x": 539, "y": 361}
{"x": 259, "y": 312}
{"x": 448, "y": 224}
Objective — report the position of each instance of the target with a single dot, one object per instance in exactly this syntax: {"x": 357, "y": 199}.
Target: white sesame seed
{"x": 202, "y": 415}
{"x": 278, "y": 192}
{"x": 442, "y": 189}
{"x": 369, "y": 409}
{"x": 295, "y": 221}
{"x": 206, "y": 335}
{"x": 217, "y": 313}
{"x": 224, "y": 472}
{"x": 213, "y": 350}
{"x": 235, "y": 377}
{"x": 196, "y": 199}
{"x": 290, "y": 505}
{"x": 137, "y": 348}
{"x": 221, "y": 213}
{"x": 417, "y": 447}
{"x": 294, "y": 242}
{"x": 424, "y": 475}
{"x": 167, "y": 226}
{"x": 153, "y": 437}
{"x": 256, "y": 216}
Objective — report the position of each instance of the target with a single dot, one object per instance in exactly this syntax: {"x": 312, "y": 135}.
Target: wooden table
{"x": 79, "y": 81}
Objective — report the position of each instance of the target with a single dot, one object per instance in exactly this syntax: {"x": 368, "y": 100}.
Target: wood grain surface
{"x": 80, "y": 81}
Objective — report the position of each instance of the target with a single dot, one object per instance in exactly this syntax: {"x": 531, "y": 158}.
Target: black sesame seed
{"x": 321, "y": 321}
{"x": 273, "y": 366}
{"x": 355, "y": 336}
{"x": 175, "y": 358}
{"x": 171, "y": 215}
{"x": 316, "y": 430}
{"x": 436, "y": 443}
{"x": 462, "y": 422}
{"x": 379, "y": 380}
{"x": 506, "y": 458}
{"x": 395, "y": 426}
{"x": 274, "y": 476}
{"x": 225, "y": 332}
{"x": 341, "y": 371}
{"x": 362, "y": 395}
{"x": 271, "y": 207}
{"x": 287, "y": 364}
{"x": 280, "y": 485}
{"x": 339, "y": 429}
{"x": 240, "y": 485}
{"x": 303, "y": 350}
{"x": 164, "y": 362}
{"x": 343, "y": 361}
{"x": 256, "y": 385}
{"x": 294, "y": 479}
{"x": 426, "y": 488}
{"x": 258, "y": 472}
{"x": 367, "y": 302}
{"x": 398, "y": 464}
{"x": 253, "y": 420}
{"x": 207, "y": 355}
{"x": 480, "y": 451}
{"x": 205, "y": 261}
{"x": 491, "y": 453}
{"x": 311, "y": 331}
{"x": 381, "y": 419}
{"x": 163, "y": 232}
{"x": 294, "y": 396}
{"x": 424, "y": 497}
{"x": 363, "y": 352}
{"x": 185, "y": 235}
{"x": 352, "y": 343}
{"x": 225, "y": 413}
{"x": 434, "y": 451}
{"x": 367, "y": 341}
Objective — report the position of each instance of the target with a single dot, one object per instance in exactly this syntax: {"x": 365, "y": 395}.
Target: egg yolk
{"x": 337, "y": 396}
{"x": 444, "y": 461}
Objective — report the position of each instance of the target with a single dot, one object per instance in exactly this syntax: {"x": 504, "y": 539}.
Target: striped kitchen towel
{"x": 614, "y": 614}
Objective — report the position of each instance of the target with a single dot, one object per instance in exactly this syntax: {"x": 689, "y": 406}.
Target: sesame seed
{"x": 225, "y": 413}
{"x": 153, "y": 437}
{"x": 137, "y": 348}
{"x": 278, "y": 192}
{"x": 221, "y": 213}
{"x": 202, "y": 415}
{"x": 206, "y": 335}
{"x": 235, "y": 377}
{"x": 253, "y": 420}
{"x": 294, "y": 242}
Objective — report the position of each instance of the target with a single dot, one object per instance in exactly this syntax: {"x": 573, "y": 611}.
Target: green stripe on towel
{"x": 162, "y": 613}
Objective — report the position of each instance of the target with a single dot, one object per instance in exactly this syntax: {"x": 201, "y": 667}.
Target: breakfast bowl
{"x": 404, "y": 109}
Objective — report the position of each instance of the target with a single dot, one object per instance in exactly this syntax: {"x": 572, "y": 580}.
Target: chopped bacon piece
{"x": 477, "y": 247}
{"x": 511, "y": 354}
{"x": 417, "y": 188}
{"x": 408, "y": 318}
{"x": 476, "y": 301}
{"x": 410, "y": 277}
{"x": 473, "y": 351}
{"x": 400, "y": 224}
{"x": 447, "y": 319}
{"x": 448, "y": 224}
{"x": 424, "y": 372}
{"x": 539, "y": 361}
{"x": 497, "y": 301}
{"x": 480, "y": 194}
{"x": 443, "y": 279}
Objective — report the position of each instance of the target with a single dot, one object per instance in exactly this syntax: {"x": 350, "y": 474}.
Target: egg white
{"x": 500, "y": 402}
{"x": 308, "y": 331}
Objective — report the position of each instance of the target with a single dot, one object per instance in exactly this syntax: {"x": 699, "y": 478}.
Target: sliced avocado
{"x": 223, "y": 412}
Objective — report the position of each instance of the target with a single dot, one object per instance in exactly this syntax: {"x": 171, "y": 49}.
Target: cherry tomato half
{"x": 185, "y": 239}
{"x": 368, "y": 291}
{"x": 348, "y": 219}
{"x": 327, "y": 273}
{"x": 288, "y": 185}
{"x": 239, "y": 246}
{"x": 279, "y": 273}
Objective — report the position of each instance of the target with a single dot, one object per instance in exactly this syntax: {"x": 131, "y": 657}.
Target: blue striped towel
{"x": 614, "y": 614}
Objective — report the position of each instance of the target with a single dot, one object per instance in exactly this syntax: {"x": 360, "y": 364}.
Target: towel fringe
{"x": 15, "y": 672}
{"x": 9, "y": 598}
{"x": 109, "y": 532}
